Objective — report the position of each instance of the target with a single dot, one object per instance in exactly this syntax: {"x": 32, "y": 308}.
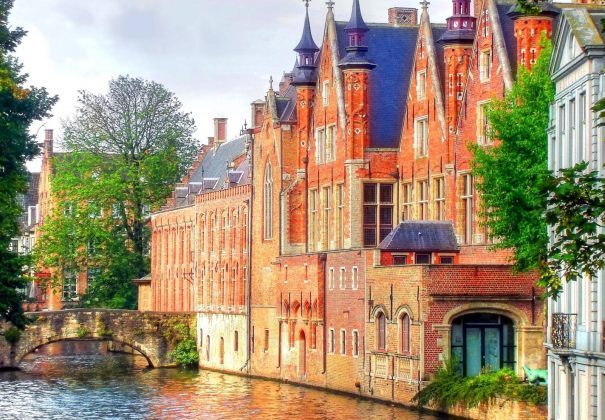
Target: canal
{"x": 81, "y": 380}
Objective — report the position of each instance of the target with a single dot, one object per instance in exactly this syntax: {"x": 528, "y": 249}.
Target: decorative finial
{"x": 245, "y": 124}
{"x": 330, "y": 4}
{"x": 424, "y": 4}
{"x": 270, "y": 82}
{"x": 306, "y": 3}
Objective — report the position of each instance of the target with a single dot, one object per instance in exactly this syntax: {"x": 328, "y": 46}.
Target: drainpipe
{"x": 323, "y": 258}
{"x": 249, "y": 262}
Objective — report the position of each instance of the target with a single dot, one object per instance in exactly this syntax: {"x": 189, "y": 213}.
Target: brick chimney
{"x": 220, "y": 130}
{"x": 257, "y": 108}
{"x": 403, "y": 16}
{"x": 48, "y": 144}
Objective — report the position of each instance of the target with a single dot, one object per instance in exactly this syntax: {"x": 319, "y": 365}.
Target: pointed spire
{"x": 356, "y": 29}
{"x": 304, "y": 73}
{"x": 356, "y": 22}
{"x": 306, "y": 41}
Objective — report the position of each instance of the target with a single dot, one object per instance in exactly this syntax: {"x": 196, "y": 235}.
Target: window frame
{"x": 421, "y": 136}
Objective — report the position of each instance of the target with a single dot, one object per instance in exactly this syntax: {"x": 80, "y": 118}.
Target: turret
{"x": 460, "y": 25}
{"x": 305, "y": 74}
{"x": 531, "y": 22}
{"x": 357, "y": 68}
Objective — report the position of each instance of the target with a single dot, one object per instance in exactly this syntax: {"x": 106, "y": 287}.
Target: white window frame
{"x": 325, "y": 93}
{"x": 421, "y": 136}
{"x": 485, "y": 65}
{"x": 343, "y": 342}
{"x": 355, "y": 346}
{"x": 331, "y": 278}
{"x": 483, "y": 136}
{"x": 354, "y": 277}
{"x": 331, "y": 341}
{"x": 421, "y": 84}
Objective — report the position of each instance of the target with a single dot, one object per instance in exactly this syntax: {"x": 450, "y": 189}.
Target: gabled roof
{"x": 421, "y": 236}
{"x": 391, "y": 48}
{"x": 214, "y": 164}
{"x": 286, "y": 105}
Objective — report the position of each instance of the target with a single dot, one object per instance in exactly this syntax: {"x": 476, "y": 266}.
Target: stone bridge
{"x": 152, "y": 334}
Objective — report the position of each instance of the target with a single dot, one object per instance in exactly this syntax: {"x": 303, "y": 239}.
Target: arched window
{"x": 381, "y": 333}
{"x": 405, "y": 333}
{"x": 268, "y": 203}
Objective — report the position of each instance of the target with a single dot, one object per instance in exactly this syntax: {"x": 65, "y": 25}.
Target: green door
{"x": 491, "y": 348}
{"x": 473, "y": 351}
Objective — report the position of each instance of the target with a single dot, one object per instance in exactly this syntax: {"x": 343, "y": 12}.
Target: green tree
{"x": 510, "y": 175}
{"x": 19, "y": 107}
{"x": 127, "y": 149}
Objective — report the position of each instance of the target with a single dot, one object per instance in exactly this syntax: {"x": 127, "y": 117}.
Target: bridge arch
{"x": 145, "y": 332}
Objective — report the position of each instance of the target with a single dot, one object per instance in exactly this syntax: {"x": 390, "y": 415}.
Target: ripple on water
{"x": 74, "y": 380}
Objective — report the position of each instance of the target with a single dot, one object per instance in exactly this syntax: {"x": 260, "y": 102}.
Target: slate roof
{"x": 418, "y": 236}
{"x": 286, "y": 105}
{"x": 214, "y": 164}
{"x": 438, "y": 30}
{"x": 30, "y": 198}
{"x": 391, "y": 48}
{"x": 508, "y": 32}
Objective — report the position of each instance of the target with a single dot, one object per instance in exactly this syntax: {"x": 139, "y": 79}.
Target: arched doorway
{"x": 483, "y": 341}
{"x": 302, "y": 354}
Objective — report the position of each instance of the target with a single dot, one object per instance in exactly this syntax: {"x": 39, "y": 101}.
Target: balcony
{"x": 563, "y": 333}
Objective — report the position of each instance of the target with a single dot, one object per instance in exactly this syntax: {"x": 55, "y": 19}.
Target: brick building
{"x": 200, "y": 251}
{"x": 368, "y": 261}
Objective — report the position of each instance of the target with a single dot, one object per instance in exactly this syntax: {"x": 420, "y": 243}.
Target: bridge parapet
{"x": 150, "y": 333}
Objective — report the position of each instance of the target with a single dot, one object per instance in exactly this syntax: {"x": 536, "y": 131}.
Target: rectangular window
{"x": 485, "y": 21}
{"x": 408, "y": 201}
{"x": 343, "y": 342}
{"x": 423, "y": 200}
{"x": 340, "y": 216}
{"x": 354, "y": 278}
{"x": 330, "y": 140}
{"x": 400, "y": 259}
{"x": 266, "y": 346}
{"x": 312, "y": 220}
{"x": 439, "y": 194}
{"x": 331, "y": 278}
{"x": 91, "y": 275}
{"x": 343, "y": 278}
{"x": 423, "y": 258}
{"x": 355, "y": 343}
{"x": 581, "y": 126}
{"x": 327, "y": 220}
{"x": 377, "y": 213}
{"x": 446, "y": 260}
{"x": 70, "y": 285}
{"x": 331, "y": 343}
{"x": 421, "y": 84}
{"x": 485, "y": 65}
{"x": 320, "y": 145}
{"x": 562, "y": 138}
{"x": 325, "y": 93}
{"x": 467, "y": 204}
{"x": 484, "y": 135}
{"x": 572, "y": 132}
{"x": 421, "y": 134}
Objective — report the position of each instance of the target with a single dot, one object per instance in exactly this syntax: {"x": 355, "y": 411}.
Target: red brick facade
{"x": 329, "y": 181}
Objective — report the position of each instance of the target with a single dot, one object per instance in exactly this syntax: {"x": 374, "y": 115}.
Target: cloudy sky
{"x": 216, "y": 55}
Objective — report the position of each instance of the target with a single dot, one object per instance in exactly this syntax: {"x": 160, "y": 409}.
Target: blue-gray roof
{"x": 215, "y": 161}
{"x": 421, "y": 236}
{"x": 392, "y": 49}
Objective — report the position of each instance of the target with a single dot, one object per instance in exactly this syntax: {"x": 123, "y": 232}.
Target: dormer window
{"x": 423, "y": 258}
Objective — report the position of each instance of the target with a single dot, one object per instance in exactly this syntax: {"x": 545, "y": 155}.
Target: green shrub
{"x": 185, "y": 354}
{"x": 12, "y": 335}
{"x": 450, "y": 388}
{"x": 82, "y": 332}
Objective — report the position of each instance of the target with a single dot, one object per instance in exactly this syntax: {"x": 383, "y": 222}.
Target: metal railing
{"x": 563, "y": 332}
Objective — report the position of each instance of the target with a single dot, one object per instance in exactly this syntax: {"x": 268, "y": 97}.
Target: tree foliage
{"x": 127, "y": 149}
{"x": 510, "y": 175}
{"x": 19, "y": 108}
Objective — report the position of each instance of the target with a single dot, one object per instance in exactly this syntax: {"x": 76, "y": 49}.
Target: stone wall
{"x": 147, "y": 333}
{"x": 502, "y": 409}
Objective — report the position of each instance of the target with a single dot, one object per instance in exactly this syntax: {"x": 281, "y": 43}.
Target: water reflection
{"x": 81, "y": 380}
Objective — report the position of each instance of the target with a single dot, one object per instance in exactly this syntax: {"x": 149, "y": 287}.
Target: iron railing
{"x": 563, "y": 333}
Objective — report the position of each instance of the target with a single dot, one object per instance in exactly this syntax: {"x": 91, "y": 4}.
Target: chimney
{"x": 220, "y": 130}
{"x": 48, "y": 144}
{"x": 403, "y": 16}
{"x": 257, "y": 113}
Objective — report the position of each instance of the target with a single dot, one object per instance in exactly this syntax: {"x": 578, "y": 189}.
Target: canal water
{"x": 81, "y": 380}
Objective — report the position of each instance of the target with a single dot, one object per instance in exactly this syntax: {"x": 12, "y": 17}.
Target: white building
{"x": 576, "y": 353}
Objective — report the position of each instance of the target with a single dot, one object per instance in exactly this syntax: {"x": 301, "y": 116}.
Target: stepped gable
{"x": 421, "y": 236}
{"x": 391, "y": 49}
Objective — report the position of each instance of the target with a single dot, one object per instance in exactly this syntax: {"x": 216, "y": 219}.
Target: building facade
{"x": 350, "y": 254}
{"x": 576, "y": 319}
